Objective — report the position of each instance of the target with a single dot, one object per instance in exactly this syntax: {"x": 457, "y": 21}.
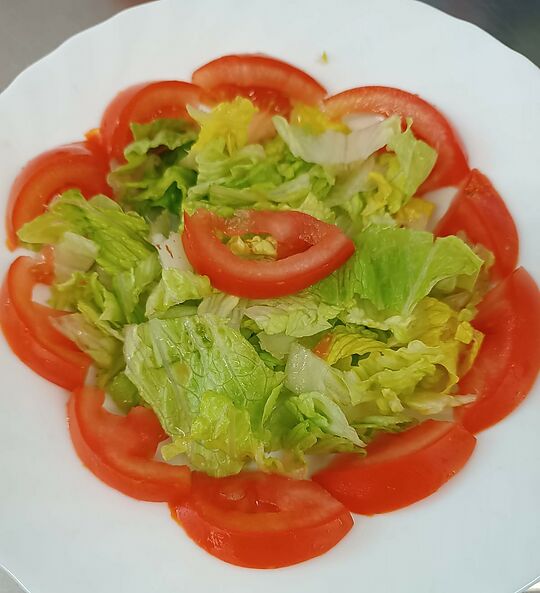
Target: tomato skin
{"x": 28, "y": 330}
{"x": 481, "y": 213}
{"x": 260, "y": 71}
{"x": 76, "y": 165}
{"x": 429, "y": 125}
{"x": 399, "y": 469}
{"x": 143, "y": 103}
{"x": 261, "y": 520}
{"x": 309, "y": 250}
{"x": 119, "y": 450}
{"x": 508, "y": 362}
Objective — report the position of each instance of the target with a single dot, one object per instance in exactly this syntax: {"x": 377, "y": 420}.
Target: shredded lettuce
{"x": 378, "y": 345}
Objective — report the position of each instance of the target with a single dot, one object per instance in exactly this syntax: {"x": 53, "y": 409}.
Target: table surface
{"x": 30, "y": 29}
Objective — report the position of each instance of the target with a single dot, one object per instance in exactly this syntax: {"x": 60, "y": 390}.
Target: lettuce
{"x": 174, "y": 288}
{"x": 393, "y": 269}
{"x": 152, "y": 179}
{"x": 298, "y": 315}
{"x": 174, "y": 363}
{"x": 121, "y": 237}
{"x": 413, "y": 379}
{"x": 336, "y": 148}
{"x": 227, "y": 123}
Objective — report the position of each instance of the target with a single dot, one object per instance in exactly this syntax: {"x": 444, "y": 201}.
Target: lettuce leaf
{"x": 336, "y": 148}
{"x": 121, "y": 237}
{"x": 174, "y": 288}
{"x": 175, "y": 362}
{"x": 298, "y": 315}
{"x": 153, "y": 177}
{"x": 393, "y": 269}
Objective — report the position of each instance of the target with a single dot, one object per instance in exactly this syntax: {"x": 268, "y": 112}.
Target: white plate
{"x": 61, "y": 530}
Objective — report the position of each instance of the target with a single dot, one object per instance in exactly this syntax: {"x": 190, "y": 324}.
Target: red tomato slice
{"x": 310, "y": 250}
{"x": 255, "y": 70}
{"x": 508, "y": 362}
{"x": 399, "y": 469}
{"x": 143, "y": 103}
{"x": 428, "y": 124}
{"x": 76, "y": 165}
{"x": 28, "y": 329}
{"x": 262, "y": 520}
{"x": 481, "y": 213}
{"x": 120, "y": 450}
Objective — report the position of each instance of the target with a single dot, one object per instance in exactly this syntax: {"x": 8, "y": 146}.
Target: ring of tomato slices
{"x": 399, "y": 469}
{"x": 120, "y": 450}
{"x": 262, "y": 520}
{"x": 80, "y": 166}
{"x": 28, "y": 329}
{"x": 309, "y": 250}
{"x": 429, "y": 125}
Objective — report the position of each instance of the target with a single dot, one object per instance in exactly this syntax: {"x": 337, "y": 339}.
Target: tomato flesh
{"x": 399, "y": 469}
{"x": 308, "y": 250}
{"x": 76, "y": 165}
{"x": 262, "y": 520}
{"x": 120, "y": 450}
{"x": 28, "y": 329}
{"x": 508, "y": 362}
{"x": 480, "y": 212}
{"x": 259, "y": 71}
{"x": 429, "y": 125}
{"x": 143, "y": 103}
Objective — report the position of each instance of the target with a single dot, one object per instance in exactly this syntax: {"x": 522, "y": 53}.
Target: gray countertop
{"x": 31, "y": 28}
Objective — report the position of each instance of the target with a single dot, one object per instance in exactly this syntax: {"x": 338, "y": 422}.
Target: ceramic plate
{"x": 63, "y": 531}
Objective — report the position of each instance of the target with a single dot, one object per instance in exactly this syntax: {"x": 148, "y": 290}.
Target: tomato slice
{"x": 260, "y": 71}
{"x": 399, "y": 469}
{"x": 508, "y": 362}
{"x": 28, "y": 329}
{"x": 143, "y": 103}
{"x": 76, "y": 165}
{"x": 308, "y": 250}
{"x": 262, "y": 520}
{"x": 481, "y": 213}
{"x": 429, "y": 125}
{"x": 120, "y": 450}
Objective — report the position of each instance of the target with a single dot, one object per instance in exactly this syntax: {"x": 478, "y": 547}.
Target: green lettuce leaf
{"x": 174, "y": 288}
{"x": 393, "y": 269}
{"x": 175, "y": 362}
{"x": 121, "y": 237}
{"x": 221, "y": 440}
{"x": 153, "y": 177}
{"x": 298, "y": 315}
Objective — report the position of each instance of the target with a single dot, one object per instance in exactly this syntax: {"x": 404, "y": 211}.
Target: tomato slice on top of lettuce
{"x": 308, "y": 250}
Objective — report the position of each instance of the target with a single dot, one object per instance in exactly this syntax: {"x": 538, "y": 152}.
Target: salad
{"x": 261, "y": 318}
